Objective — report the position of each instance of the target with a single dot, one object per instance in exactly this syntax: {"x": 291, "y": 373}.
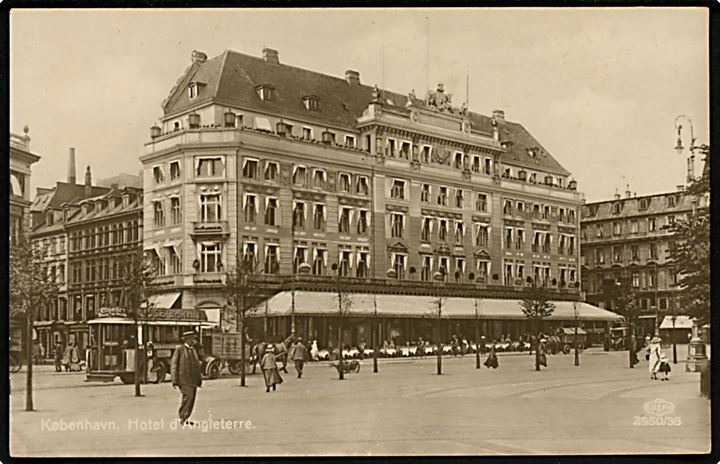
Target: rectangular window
{"x": 319, "y": 217}
{"x": 442, "y": 230}
{"x": 399, "y": 266}
{"x": 426, "y": 270}
{"x": 363, "y": 270}
{"x": 300, "y": 176}
{"x": 174, "y": 170}
{"x": 571, "y": 245}
{"x": 652, "y": 226}
{"x": 425, "y": 154}
{"x": 398, "y": 189}
{"x": 459, "y": 233}
{"x": 299, "y": 215}
{"x": 390, "y": 148}
{"x": 425, "y": 193}
{"x": 442, "y": 196}
{"x": 307, "y": 133}
{"x": 508, "y": 208}
{"x": 458, "y": 162}
{"x": 634, "y": 253}
{"x": 299, "y": 258}
{"x": 617, "y": 253}
{"x": 653, "y": 252}
{"x": 250, "y": 208}
{"x": 634, "y": 227}
{"x": 362, "y": 222}
{"x": 175, "y": 211}
{"x": 481, "y": 202}
{"x": 487, "y": 167}
{"x": 617, "y": 228}
{"x": 158, "y": 214}
{"x": 425, "y": 229}
{"x": 271, "y": 259}
{"x": 519, "y": 239}
{"x": 250, "y": 168}
{"x": 459, "y": 270}
{"x": 476, "y": 164}
{"x": 175, "y": 261}
{"x": 481, "y": 235}
{"x": 508, "y": 238}
{"x": 318, "y": 178}
{"x": 210, "y": 257}
{"x": 209, "y": 167}
{"x": 250, "y": 255}
{"x": 459, "y": 198}
{"x": 345, "y": 265}
{"x": 344, "y": 222}
{"x": 599, "y": 256}
{"x": 318, "y": 266}
{"x": 210, "y": 208}
{"x": 344, "y": 182}
{"x": 350, "y": 141}
{"x": 271, "y": 171}
{"x": 397, "y": 225}
{"x": 270, "y": 211}
{"x": 158, "y": 174}
{"x": 405, "y": 150}
{"x": 546, "y": 243}
{"x": 361, "y": 185}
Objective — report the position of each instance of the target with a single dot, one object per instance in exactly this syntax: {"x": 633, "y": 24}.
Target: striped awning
{"x": 413, "y": 306}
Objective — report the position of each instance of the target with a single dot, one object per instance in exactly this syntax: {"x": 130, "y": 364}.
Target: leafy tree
{"x": 31, "y": 288}
{"x": 136, "y": 275}
{"x": 345, "y": 302}
{"x": 240, "y": 291}
{"x": 691, "y": 250}
{"x": 536, "y": 306}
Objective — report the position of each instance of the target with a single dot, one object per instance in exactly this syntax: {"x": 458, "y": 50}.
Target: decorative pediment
{"x": 309, "y": 196}
{"x": 482, "y": 254}
{"x": 537, "y": 226}
{"x": 398, "y": 247}
{"x": 442, "y": 249}
{"x": 514, "y": 223}
{"x": 484, "y": 219}
{"x": 397, "y": 208}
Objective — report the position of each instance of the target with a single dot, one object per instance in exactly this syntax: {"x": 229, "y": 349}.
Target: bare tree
{"x": 240, "y": 291}
{"x": 437, "y": 304}
{"x": 344, "y": 301}
{"x": 137, "y": 273}
{"x": 536, "y": 306}
{"x": 31, "y": 288}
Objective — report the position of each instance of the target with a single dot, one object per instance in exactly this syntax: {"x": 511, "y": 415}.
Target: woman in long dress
{"x": 542, "y": 352}
{"x": 314, "y": 351}
{"x": 269, "y": 368}
{"x": 653, "y": 350}
{"x": 492, "y": 360}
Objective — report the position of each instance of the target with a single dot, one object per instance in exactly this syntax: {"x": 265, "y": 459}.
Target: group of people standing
{"x": 67, "y": 358}
{"x": 658, "y": 362}
{"x": 268, "y": 363}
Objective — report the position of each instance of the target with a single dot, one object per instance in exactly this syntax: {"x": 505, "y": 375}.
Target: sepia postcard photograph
{"x": 358, "y": 232}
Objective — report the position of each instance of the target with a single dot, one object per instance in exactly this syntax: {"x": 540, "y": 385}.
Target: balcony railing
{"x": 209, "y": 278}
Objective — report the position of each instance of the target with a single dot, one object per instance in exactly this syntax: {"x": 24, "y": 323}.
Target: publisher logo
{"x": 658, "y": 407}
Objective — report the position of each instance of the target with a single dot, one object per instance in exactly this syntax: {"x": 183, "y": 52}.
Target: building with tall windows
{"x": 628, "y": 238}
{"x": 314, "y": 180}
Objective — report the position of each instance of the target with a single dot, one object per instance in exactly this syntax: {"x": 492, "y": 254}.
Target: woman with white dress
{"x": 314, "y": 352}
{"x": 653, "y": 351}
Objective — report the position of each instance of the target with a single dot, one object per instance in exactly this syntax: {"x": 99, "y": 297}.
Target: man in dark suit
{"x": 185, "y": 373}
{"x": 297, "y": 353}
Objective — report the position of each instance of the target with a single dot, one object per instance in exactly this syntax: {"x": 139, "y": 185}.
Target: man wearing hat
{"x": 297, "y": 354}
{"x": 185, "y": 373}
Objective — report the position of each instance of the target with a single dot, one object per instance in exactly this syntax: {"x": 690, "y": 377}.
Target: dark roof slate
{"x": 232, "y": 78}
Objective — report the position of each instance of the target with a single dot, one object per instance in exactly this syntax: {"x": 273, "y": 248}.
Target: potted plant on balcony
{"x": 412, "y": 271}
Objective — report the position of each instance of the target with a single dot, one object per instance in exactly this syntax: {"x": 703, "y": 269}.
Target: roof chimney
{"x": 499, "y": 115}
{"x": 88, "y": 182}
{"x": 352, "y": 77}
{"x": 680, "y": 188}
{"x": 628, "y": 193}
{"x": 271, "y": 56}
{"x": 71, "y": 167}
{"x": 198, "y": 57}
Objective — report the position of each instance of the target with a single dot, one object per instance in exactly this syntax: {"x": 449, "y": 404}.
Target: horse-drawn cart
{"x": 224, "y": 351}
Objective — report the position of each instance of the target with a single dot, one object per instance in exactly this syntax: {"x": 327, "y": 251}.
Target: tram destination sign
{"x": 157, "y": 314}
{"x": 112, "y": 312}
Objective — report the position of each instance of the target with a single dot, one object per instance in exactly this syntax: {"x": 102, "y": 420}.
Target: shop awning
{"x": 325, "y": 303}
{"x": 681, "y": 322}
{"x": 164, "y": 300}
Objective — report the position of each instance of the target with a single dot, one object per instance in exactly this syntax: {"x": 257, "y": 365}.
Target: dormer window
{"x": 311, "y": 103}
{"x": 644, "y": 204}
{"x": 194, "y": 89}
{"x": 265, "y": 92}
{"x": 671, "y": 201}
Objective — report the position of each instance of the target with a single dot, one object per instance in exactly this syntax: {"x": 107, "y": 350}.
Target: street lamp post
{"x": 375, "y": 336}
{"x": 679, "y": 146}
{"x": 336, "y": 269}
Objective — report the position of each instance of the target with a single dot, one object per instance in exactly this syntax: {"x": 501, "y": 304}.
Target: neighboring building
{"x": 50, "y": 210}
{"x": 123, "y": 180}
{"x": 296, "y": 171}
{"x": 20, "y": 165}
{"x": 102, "y": 235}
{"x": 627, "y": 238}
{"x": 21, "y": 161}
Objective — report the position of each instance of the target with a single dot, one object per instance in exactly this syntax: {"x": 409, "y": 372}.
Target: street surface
{"x": 597, "y": 408}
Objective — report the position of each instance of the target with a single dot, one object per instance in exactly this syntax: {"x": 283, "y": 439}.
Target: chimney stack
{"x": 680, "y": 188}
{"x": 271, "y": 56}
{"x": 617, "y": 194}
{"x": 88, "y": 182}
{"x": 198, "y": 57}
{"x": 71, "y": 179}
{"x": 628, "y": 193}
{"x": 352, "y": 77}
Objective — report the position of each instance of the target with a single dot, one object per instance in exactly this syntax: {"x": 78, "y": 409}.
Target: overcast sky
{"x": 599, "y": 88}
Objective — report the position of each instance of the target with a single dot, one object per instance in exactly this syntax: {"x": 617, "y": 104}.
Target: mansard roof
{"x": 232, "y": 79}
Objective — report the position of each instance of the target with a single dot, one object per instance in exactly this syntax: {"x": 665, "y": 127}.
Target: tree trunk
{"x": 375, "y": 344}
{"x": 477, "y": 344}
{"x": 341, "y": 375}
{"x": 28, "y": 351}
{"x": 241, "y": 329}
{"x": 137, "y": 361}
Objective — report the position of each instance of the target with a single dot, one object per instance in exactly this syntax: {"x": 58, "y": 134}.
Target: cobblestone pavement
{"x": 600, "y": 407}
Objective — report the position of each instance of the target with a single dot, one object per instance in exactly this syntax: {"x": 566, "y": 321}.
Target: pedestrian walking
{"x": 314, "y": 351}
{"x": 71, "y": 358}
{"x": 542, "y": 352}
{"x": 58, "y": 356}
{"x": 185, "y": 374}
{"x": 492, "y": 359}
{"x": 664, "y": 368}
{"x": 653, "y": 357}
{"x": 297, "y": 354}
{"x": 269, "y": 368}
